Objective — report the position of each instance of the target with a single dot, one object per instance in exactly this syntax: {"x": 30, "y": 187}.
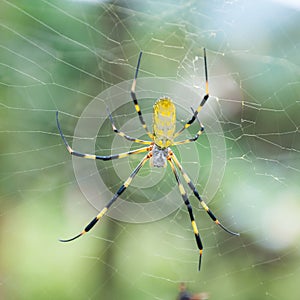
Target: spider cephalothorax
{"x": 159, "y": 156}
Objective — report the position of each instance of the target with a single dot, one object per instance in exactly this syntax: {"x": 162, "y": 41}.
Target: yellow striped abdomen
{"x": 164, "y": 122}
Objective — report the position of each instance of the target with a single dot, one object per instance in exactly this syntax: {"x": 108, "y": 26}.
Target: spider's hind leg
{"x": 135, "y": 101}
{"x": 203, "y": 101}
{"x": 123, "y": 134}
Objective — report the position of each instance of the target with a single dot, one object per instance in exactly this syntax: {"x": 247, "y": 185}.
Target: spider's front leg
{"x": 110, "y": 203}
{"x": 101, "y": 157}
{"x": 190, "y": 210}
{"x": 196, "y": 193}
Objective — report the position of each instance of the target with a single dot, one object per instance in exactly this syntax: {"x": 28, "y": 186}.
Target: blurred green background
{"x": 59, "y": 55}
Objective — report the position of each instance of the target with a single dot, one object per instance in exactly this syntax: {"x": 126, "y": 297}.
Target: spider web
{"x": 79, "y": 58}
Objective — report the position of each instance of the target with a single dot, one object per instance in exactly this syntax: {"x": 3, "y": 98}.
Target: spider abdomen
{"x": 164, "y": 122}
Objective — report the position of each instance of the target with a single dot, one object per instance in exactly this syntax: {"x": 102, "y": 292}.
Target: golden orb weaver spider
{"x": 158, "y": 152}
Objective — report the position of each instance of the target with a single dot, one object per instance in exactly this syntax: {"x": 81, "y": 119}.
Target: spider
{"x": 158, "y": 152}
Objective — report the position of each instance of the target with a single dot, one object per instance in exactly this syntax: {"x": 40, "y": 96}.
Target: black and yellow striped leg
{"x": 110, "y": 203}
{"x": 190, "y": 210}
{"x": 93, "y": 156}
{"x": 193, "y": 139}
{"x": 124, "y": 135}
{"x": 193, "y": 188}
{"x": 204, "y": 99}
{"x": 135, "y": 101}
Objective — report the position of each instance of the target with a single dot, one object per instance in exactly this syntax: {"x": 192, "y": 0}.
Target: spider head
{"x": 159, "y": 157}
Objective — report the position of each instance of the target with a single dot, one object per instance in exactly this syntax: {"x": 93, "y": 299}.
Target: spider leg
{"x": 135, "y": 101}
{"x": 93, "y": 156}
{"x": 193, "y": 139}
{"x": 196, "y": 193}
{"x": 204, "y": 99}
{"x": 114, "y": 198}
{"x": 190, "y": 210}
{"x": 124, "y": 135}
